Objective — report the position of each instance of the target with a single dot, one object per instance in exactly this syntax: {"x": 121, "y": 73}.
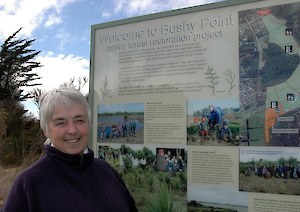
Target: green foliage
{"x": 124, "y": 149}
{"x": 292, "y": 161}
{"x": 150, "y": 182}
{"x": 235, "y": 129}
{"x": 243, "y": 167}
{"x": 4, "y": 116}
{"x": 160, "y": 203}
{"x": 182, "y": 177}
{"x": 23, "y": 136}
{"x": 163, "y": 202}
{"x": 148, "y": 155}
{"x": 161, "y": 176}
{"x": 176, "y": 184}
{"x": 167, "y": 179}
{"x": 192, "y": 130}
{"x": 145, "y": 184}
{"x": 11, "y": 145}
{"x": 139, "y": 154}
{"x": 129, "y": 178}
{"x": 20, "y": 135}
{"x": 16, "y": 68}
{"x": 127, "y": 163}
{"x": 282, "y": 161}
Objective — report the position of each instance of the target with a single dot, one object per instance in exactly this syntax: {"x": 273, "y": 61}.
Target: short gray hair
{"x": 63, "y": 96}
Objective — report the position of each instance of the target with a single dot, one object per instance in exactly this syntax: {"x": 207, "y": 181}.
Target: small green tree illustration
{"x": 104, "y": 90}
{"x": 230, "y": 77}
{"x": 212, "y": 78}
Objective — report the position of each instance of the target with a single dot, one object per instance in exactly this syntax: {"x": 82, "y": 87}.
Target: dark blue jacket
{"x": 216, "y": 116}
{"x": 59, "y": 182}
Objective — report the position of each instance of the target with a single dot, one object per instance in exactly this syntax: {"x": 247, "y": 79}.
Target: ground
{"x": 7, "y": 176}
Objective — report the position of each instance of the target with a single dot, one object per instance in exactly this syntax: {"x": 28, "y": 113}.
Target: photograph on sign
{"x": 269, "y": 170}
{"x": 213, "y": 122}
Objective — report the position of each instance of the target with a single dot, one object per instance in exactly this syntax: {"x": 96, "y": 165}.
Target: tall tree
{"x": 16, "y": 68}
{"x": 18, "y": 130}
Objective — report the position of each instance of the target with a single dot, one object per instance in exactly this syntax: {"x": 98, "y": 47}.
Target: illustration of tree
{"x": 230, "y": 77}
{"x": 213, "y": 78}
{"x": 104, "y": 90}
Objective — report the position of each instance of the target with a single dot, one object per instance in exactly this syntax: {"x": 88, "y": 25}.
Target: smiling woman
{"x": 68, "y": 173}
{"x": 64, "y": 117}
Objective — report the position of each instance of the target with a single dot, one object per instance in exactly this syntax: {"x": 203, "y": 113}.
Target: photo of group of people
{"x": 278, "y": 170}
{"x": 211, "y": 124}
{"x": 121, "y": 123}
{"x": 171, "y": 160}
{"x": 160, "y": 159}
{"x": 144, "y": 171}
{"x": 270, "y": 170}
{"x": 121, "y": 129}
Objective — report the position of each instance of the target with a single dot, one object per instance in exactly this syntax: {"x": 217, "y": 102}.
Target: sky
{"x": 62, "y": 28}
{"x": 217, "y": 194}
{"x": 198, "y": 105}
{"x": 128, "y": 107}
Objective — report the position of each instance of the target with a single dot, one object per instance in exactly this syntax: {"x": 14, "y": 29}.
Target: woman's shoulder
{"x": 104, "y": 167}
{"x": 38, "y": 169}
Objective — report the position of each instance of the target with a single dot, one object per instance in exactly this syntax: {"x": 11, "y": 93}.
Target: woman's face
{"x": 68, "y": 129}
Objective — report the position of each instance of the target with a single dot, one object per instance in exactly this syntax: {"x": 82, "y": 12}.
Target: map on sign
{"x": 269, "y": 40}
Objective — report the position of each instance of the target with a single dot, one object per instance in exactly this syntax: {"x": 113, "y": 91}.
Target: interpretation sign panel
{"x": 207, "y": 96}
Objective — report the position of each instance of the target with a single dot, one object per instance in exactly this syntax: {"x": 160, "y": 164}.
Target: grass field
{"x": 273, "y": 185}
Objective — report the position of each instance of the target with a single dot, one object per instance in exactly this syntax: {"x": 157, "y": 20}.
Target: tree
{"x": 16, "y": 68}
{"x": 149, "y": 156}
{"x": 80, "y": 83}
{"x": 3, "y": 121}
{"x": 37, "y": 92}
{"x": 19, "y": 132}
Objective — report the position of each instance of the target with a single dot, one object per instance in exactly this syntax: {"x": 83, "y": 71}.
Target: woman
{"x": 68, "y": 177}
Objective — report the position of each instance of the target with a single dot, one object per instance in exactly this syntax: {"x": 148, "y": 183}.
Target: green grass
{"x": 156, "y": 191}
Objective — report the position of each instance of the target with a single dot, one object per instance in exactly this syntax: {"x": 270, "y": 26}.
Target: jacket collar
{"x": 75, "y": 161}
